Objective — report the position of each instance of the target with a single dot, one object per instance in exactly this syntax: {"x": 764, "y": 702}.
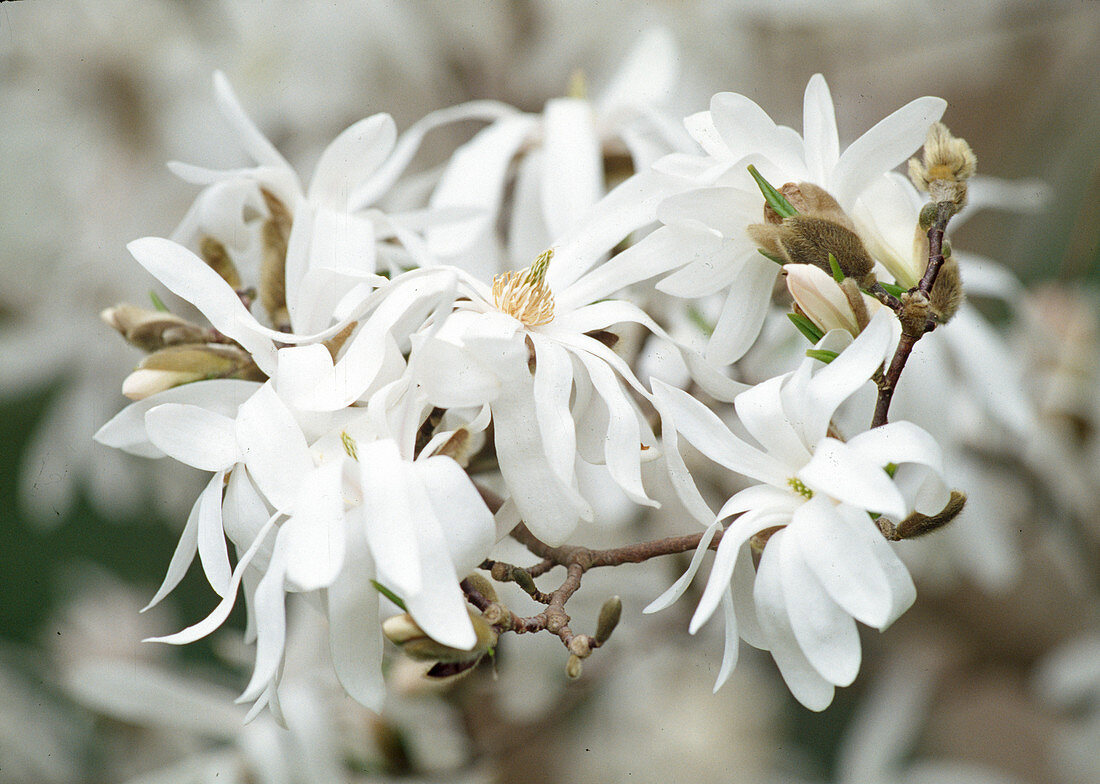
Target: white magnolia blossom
{"x": 826, "y": 564}
{"x": 723, "y": 200}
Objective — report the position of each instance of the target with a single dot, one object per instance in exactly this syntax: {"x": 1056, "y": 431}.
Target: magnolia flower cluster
{"x": 378, "y": 352}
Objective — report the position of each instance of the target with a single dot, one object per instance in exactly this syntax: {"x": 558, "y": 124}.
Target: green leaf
{"x": 157, "y": 303}
{"x": 812, "y": 332}
{"x": 389, "y": 594}
{"x": 834, "y": 265}
{"x": 776, "y": 200}
{"x": 893, "y": 289}
{"x": 771, "y": 257}
{"x": 821, "y": 354}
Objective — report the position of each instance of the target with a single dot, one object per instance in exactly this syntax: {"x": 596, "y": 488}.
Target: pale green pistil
{"x": 800, "y": 488}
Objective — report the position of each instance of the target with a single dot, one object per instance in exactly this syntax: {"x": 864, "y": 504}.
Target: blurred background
{"x": 986, "y": 679}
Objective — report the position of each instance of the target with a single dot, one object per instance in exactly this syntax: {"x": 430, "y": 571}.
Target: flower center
{"x": 524, "y": 295}
{"x": 800, "y": 488}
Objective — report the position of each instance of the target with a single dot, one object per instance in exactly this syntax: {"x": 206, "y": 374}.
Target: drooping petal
{"x": 270, "y": 607}
{"x": 388, "y": 515}
{"x": 212, "y": 550}
{"x": 743, "y": 313}
{"x": 824, "y": 631}
{"x": 805, "y": 683}
{"x": 221, "y": 612}
{"x": 193, "y": 435}
{"x": 466, "y": 521}
{"x": 898, "y": 442}
{"x": 553, "y": 385}
{"x": 843, "y": 562}
{"x": 732, "y": 641}
{"x": 760, "y": 410}
{"x": 901, "y": 591}
{"x": 182, "y": 556}
{"x": 355, "y": 637}
{"x": 676, "y": 590}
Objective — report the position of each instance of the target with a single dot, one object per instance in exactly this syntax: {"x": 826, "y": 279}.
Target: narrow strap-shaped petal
{"x": 725, "y": 210}
{"x": 647, "y": 75}
{"x": 314, "y": 535}
{"x": 743, "y": 312}
{"x": 355, "y": 637}
{"x": 819, "y": 130}
{"x": 193, "y": 435}
{"x": 467, "y": 523}
{"x": 676, "y": 590}
{"x": 270, "y": 622}
{"x": 898, "y": 442}
{"x": 848, "y": 477}
{"x": 254, "y": 142}
{"x": 572, "y": 176}
{"x": 824, "y": 631}
{"x": 388, "y": 515}
{"x": 741, "y": 586}
{"x": 731, "y": 640}
{"x": 221, "y": 612}
{"x": 805, "y": 683}
{"x": 843, "y": 562}
{"x": 553, "y": 385}
{"x": 273, "y": 447}
{"x": 678, "y": 473}
{"x": 901, "y": 591}
{"x": 707, "y": 433}
{"x": 351, "y": 158}
{"x": 212, "y": 550}
{"x": 760, "y": 410}
{"x": 889, "y": 142}
{"x": 182, "y": 556}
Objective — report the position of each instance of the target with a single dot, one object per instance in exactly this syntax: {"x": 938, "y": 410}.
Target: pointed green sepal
{"x": 812, "y": 332}
{"x": 771, "y": 257}
{"x": 389, "y": 594}
{"x": 158, "y": 303}
{"x": 893, "y": 289}
{"x": 821, "y": 355}
{"x": 834, "y": 265}
{"x": 776, "y": 200}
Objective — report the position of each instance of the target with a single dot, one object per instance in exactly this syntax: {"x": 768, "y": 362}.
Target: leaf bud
{"x": 918, "y": 524}
{"x": 946, "y": 165}
{"x": 176, "y": 365}
{"x": 610, "y": 614}
{"x": 573, "y": 667}
{"x": 483, "y": 587}
{"x": 581, "y": 646}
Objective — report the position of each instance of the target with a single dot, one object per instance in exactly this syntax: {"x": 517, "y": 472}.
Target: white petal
{"x": 678, "y": 473}
{"x": 805, "y": 683}
{"x": 843, "y": 562}
{"x": 468, "y": 524}
{"x": 388, "y": 513}
{"x": 902, "y": 592}
{"x": 314, "y": 535}
{"x": 745, "y": 128}
{"x": 189, "y": 277}
{"x": 647, "y": 75}
{"x": 193, "y": 435}
{"x": 676, "y": 590}
{"x": 732, "y": 641}
{"x": 760, "y": 410}
{"x": 553, "y": 385}
{"x": 351, "y": 158}
{"x": 850, "y": 478}
{"x": 819, "y": 130}
{"x": 572, "y": 177}
{"x": 221, "y": 612}
{"x": 182, "y": 556}
{"x": 273, "y": 447}
{"x": 884, "y": 146}
{"x": 453, "y": 377}
{"x": 126, "y": 431}
{"x": 255, "y": 143}
{"x": 355, "y": 637}
{"x": 743, "y": 313}
{"x": 898, "y": 442}
{"x": 270, "y": 604}
{"x": 707, "y": 433}
{"x": 741, "y": 586}
{"x": 623, "y": 440}
{"x": 212, "y": 550}
{"x": 825, "y": 632}
{"x": 724, "y": 210}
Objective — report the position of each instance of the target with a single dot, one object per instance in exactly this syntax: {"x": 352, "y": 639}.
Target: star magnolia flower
{"x": 344, "y": 516}
{"x": 334, "y": 239}
{"x": 737, "y": 132}
{"x": 826, "y": 564}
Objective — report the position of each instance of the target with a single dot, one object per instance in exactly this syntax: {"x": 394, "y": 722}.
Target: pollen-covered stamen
{"x": 800, "y": 488}
{"x": 524, "y": 295}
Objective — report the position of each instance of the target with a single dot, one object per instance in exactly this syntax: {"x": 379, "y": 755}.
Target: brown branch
{"x": 913, "y": 313}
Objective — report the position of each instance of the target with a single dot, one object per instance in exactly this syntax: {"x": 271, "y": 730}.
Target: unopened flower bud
{"x": 402, "y": 630}
{"x": 801, "y": 239}
{"x": 151, "y": 330}
{"x": 274, "y": 236}
{"x": 947, "y": 163}
{"x": 947, "y": 292}
{"x": 826, "y": 303}
{"x": 610, "y": 614}
{"x": 483, "y": 587}
{"x": 217, "y": 257}
{"x": 176, "y": 365}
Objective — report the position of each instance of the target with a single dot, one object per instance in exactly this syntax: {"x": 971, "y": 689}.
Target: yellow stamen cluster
{"x": 524, "y": 295}
{"x": 800, "y": 488}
